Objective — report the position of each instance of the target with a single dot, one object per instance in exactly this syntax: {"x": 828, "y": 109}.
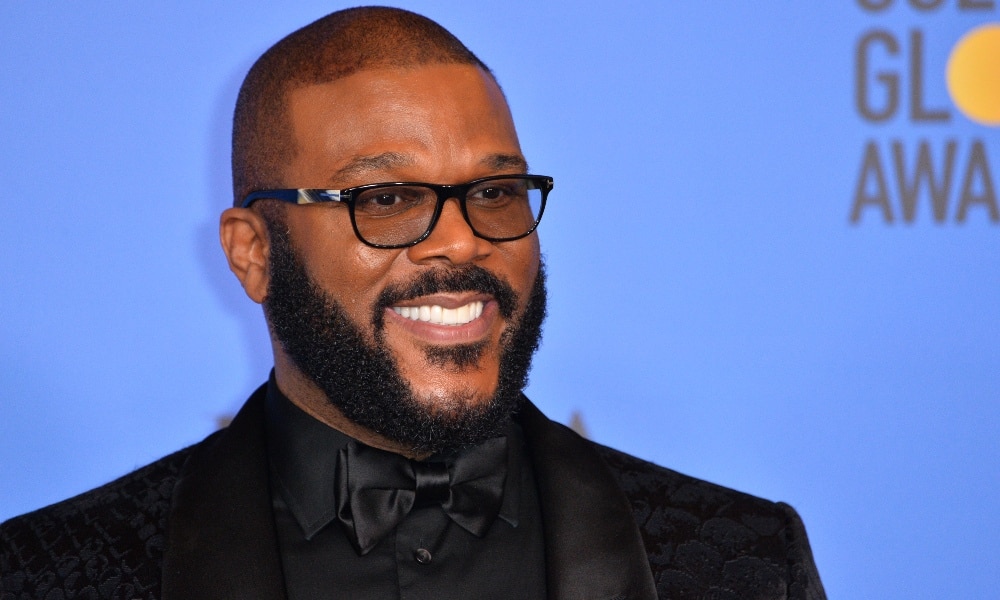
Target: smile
{"x": 438, "y": 315}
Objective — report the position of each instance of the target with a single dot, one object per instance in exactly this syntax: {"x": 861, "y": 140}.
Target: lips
{"x": 436, "y": 314}
{"x": 446, "y": 288}
{"x": 470, "y": 299}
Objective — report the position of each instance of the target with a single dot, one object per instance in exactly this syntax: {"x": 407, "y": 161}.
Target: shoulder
{"x": 109, "y": 538}
{"x": 697, "y": 532}
{"x": 650, "y": 485}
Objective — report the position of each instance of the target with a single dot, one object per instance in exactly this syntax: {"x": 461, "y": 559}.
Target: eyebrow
{"x": 501, "y": 162}
{"x": 361, "y": 165}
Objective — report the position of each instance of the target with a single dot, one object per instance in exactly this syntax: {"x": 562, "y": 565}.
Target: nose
{"x": 451, "y": 240}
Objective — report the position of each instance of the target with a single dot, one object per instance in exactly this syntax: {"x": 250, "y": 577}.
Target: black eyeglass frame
{"x": 459, "y": 192}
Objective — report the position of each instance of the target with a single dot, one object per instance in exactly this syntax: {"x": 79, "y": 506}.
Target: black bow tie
{"x": 377, "y": 489}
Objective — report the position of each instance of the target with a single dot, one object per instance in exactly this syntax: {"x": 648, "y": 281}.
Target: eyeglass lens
{"x": 497, "y": 209}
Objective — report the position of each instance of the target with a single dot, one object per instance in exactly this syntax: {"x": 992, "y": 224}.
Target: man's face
{"x": 439, "y": 124}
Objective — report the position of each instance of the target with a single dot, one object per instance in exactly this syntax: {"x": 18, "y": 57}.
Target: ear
{"x": 244, "y": 238}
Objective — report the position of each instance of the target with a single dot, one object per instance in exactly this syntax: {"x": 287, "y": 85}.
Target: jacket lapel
{"x": 221, "y": 541}
{"x": 593, "y": 549}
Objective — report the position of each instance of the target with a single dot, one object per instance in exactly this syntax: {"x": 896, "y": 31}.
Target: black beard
{"x": 363, "y": 381}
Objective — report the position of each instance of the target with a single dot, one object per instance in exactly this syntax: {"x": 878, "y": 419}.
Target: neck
{"x": 306, "y": 395}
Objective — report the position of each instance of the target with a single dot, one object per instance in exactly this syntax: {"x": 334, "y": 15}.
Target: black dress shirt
{"x": 426, "y": 556}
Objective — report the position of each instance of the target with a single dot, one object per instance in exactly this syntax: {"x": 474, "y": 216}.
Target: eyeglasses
{"x": 396, "y": 215}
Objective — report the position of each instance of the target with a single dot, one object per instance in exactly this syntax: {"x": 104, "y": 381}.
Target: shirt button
{"x": 422, "y": 556}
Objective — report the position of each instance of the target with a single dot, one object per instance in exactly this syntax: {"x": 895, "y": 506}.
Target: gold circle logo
{"x": 974, "y": 74}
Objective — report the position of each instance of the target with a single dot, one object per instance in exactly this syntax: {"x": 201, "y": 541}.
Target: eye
{"x": 388, "y": 201}
{"x": 490, "y": 193}
{"x": 385, "y": 199}
{"x": 497, "y": 193}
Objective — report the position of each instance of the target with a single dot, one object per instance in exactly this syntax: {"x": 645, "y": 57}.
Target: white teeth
{"x": 441, "y": 316}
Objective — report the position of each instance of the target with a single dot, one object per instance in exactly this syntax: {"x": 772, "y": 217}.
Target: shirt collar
{"x": 302, "y": 452}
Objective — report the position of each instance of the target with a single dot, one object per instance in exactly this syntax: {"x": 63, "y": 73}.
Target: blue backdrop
{"x": 715, "y": 307}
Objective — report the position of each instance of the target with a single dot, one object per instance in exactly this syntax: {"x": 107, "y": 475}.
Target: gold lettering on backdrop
{"x": 931, "y": 174}
{"x": 921, "y": 180}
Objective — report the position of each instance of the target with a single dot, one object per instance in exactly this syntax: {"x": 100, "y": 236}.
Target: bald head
{"x": 336, "y": 46}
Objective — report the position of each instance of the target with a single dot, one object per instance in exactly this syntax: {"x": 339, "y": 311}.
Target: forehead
{"x": 434, "y": 117}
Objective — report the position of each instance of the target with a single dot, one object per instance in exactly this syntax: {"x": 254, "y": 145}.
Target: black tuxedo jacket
{"x": 197, "y": 525}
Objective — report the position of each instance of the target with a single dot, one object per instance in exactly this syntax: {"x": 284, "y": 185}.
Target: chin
{"x": 451, "y": 403}
{"x": 450, "y": 388}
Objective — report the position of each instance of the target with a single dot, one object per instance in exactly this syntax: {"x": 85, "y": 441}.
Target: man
{"x": 385, "y": 219}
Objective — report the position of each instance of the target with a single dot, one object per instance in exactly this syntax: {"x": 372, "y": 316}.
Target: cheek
{"x": 355, "y": 273}
{"x": 350, "y": 272}
{"x": 355, "y": 279}
{"x": 524, "y": 261}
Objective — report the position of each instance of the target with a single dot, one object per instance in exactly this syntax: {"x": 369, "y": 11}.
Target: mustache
{"x": 470, "y": 278}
